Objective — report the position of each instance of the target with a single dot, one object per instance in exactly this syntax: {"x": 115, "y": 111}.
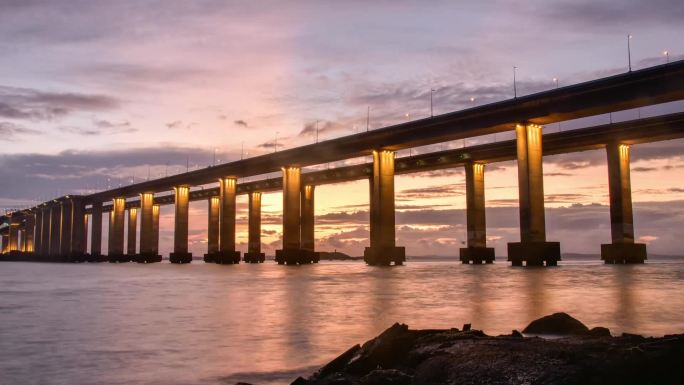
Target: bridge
{"x": 57, "y": 230}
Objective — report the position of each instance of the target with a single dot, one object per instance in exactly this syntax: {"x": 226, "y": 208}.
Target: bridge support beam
{"x": 37, "y": 233}
{"x": 254, "y": 254}
{"x": 533, "y": 249}
{"x": 55, "y": 235}
{"x": 78, "y": 235}
{"x": 45, "y": 233}
{"x": 5, "y": 243}
{"x": 116, "y": 231}
{"x": 383, "y": 249}
{"x": 132, "y": 236}
{"x": 155, "y": 231}
{"x": 180, "y": 234}
{"x": 227, "y": 208}
{"x": 22, "y": 240}
{"x": 65, "y": 231}
{"x": 292, "y": 252}
{"x": 214, "y": 211}
{"x": 476, "y": 251}
{"x": 622, "y": 249}
{"x": 308, "y": 224}
{"x": 149, "y": 252}
{"x": 96, "y": 233}
{"x": 14, "y": 235}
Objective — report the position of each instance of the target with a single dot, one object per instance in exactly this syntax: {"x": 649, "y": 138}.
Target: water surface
{"x": 77, "y": 324}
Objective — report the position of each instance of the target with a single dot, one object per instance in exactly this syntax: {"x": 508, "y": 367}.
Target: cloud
{"x": 180, "y": 125}
{"x": 431, "y": 192}
{"x": 35, "y": 105}
{"x": 602, "y": 14}
{"x": 9, "y": 130}
{"x": 101, "y": 127}
{"x": 241, "y": 122}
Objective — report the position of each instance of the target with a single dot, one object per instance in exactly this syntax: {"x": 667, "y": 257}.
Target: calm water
{"x": 266, "y": 324}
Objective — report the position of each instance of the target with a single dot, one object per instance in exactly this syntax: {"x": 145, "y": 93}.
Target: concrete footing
{"x": 147, "y": 258}
{"x": 254, "y": 257}
{"x": 384, "y": 256}
{"x": 296, "y": 256}
{"x": 223, "y": 257}
{"x": 180, "y": 257}
{"x": 623, "y": 253}
{"x": 477, "y": 255}
{"x": 534, "y": 253}
{"x": 118, "y": 258}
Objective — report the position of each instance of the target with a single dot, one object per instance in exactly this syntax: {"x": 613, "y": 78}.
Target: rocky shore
{"x": 568, "y": 353}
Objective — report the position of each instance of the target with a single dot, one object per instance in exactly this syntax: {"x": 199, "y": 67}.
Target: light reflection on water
{"x": 210, "y": 324}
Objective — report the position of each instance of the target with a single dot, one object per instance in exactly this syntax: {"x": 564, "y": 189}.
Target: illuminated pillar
{"x": 227, "y": 208}
{"x": 78, "y": 238}
{"x": 85, "y": 234}
{"x": 149, "y": 237}
{"x": 116, "y": 230}
{"x": 254, "y": 254}
{"x": 37, "y": 234}
{"x": 65, "y": 231}
{"x": 476, "y": 250}
{"x": 29, "y": 232}
{"x": 383, "y": 249}
{"x": 155, "y": 228}
{"x": 22, "y": 240}
{"x": 291, "y": 253}
{"x": 622, "y": 249}
{"x": 96, "y": 232}
{"x": 55, "y": 225}
{"x": 5, "y": 243}
{"x": 45, "y": 232}
{"x": 533, "y": 249}
{"x": 308, "y": 224}
{"x": 132, "y": 239}
{"x": 14, "y": 234}
{"x": 212, "y": 229}
{"x": 180, "y": 234}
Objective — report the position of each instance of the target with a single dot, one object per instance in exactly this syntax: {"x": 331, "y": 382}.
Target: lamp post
{"x": 275, "y": 143}
{"x": 667, "y": 56}
{"x": 472, "y": 101}
{"x": 368, "y": 119}
{"x": 515, "y": 89}
{"x": 555, "y": 80}
{"x": 629, "y": 52}
{"x": 432, "y": 91}
{"x": 317, "y": 131}
{"x": 214, "y": 164}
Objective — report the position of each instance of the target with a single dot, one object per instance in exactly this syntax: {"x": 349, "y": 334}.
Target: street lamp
{"x": 275, "y": 143}
{"x": 214, "y": 156}
{"x": 432, "y": 91}
{"x": 408, "y": 116}
{"x": 629, "y": 52}
{"x": 316, "y": 131}
{"x": 472, "y": 101}
{"x": 515, "y": 90}
{"x": 667, "y": 56}
{"x": 555, "y": 80}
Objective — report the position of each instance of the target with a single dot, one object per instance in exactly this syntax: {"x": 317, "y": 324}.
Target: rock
{"x": 341, "y": 362}
{"x": 557, "y": 324}
{"x": 299, "y": 381}
{"x": 466, "y": 327}
{"x": 383, "y": 351}
{"x": 243, "y": 383}
{"x": 386, "y": 377}
{"x": 516, "y": 333}
{"x": 599, "y": 331}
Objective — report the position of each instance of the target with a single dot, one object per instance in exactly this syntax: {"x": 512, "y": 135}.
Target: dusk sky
{"x": 104, "y": 93}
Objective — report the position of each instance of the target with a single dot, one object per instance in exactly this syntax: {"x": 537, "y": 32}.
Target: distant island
{"x": 337, "y": 256}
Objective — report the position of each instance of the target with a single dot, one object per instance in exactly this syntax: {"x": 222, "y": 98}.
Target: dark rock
{"x": 599, "y": 331}
{"x": 516, "y": 333}
{"x": 632, "y": 336}
{"x": 383, "y": 351}
{"x": 557, "y": 324}
{"x": 243, "y": 383}
{"x": 466, "y": 327}
{"x": 339, "y": 363}
{"x": 386, "y": 377}
{"x": 300, "y": 381}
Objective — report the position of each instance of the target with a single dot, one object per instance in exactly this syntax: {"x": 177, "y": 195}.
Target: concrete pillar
{"x": 622, "y": 249}
{"x": 308, "y": 224}
{"x": 65, "y": 231}
{"x": 254, "y": 254}
{"x": 55, "y": 234}
{"x": 149, "y": 237}
{"x": 227, "y": 208}
{"x": 5, "y": 243}
{"x": 14, "y": 235}
{"x": 45, "y": 232}
{"x": 96, "y": 232}
{"x": 383, "y": 249}
{"x": 180, "y": 235}
{"x": 31, "y": 229}
{"x": 214, "y": 210}
{"x": 116, "y": 230}
{"x": 533, "y": 248}
{"x": 132, "y": 238}
{"x": 77, "y": 251}
{"x": 37, "y": 234}
{"x": 85, "y": 234}
{"x": 292, "y": 252}
{"x": 476, "y": 250}
{"x": 22, "y": 240}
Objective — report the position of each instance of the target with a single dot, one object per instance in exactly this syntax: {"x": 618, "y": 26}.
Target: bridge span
{"x": 57, "y": 230}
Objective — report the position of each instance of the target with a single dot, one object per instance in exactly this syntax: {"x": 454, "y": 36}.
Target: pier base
{"x": 254, "y": 257}
{"x": 477, "y": 255}
{"x": 118, "y": 258}
{"x": 147, "y": 258}
{"x": 385, "y": 256}
{"x": 534, "y": 253}
{"x": 623, "y": 253}
{"x": 223, "y": 257}
{"x": 296, "y": 256}
{"x": 78, "y": 257}
{"x": 180, "y": 257}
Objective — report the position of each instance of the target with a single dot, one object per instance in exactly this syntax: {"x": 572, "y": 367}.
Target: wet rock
{"x": 466, "y": 327}
{"x": 300, "y": 381}
{"x": 386, "y": 377}
{"x": 383, "y": 351}
{"x": 516, "y": 333}
{"x": 243, "y": 383}
{"x": 599, "y": 331}
{"x": 341, "y": 362}
{"x": 556, "y": 324}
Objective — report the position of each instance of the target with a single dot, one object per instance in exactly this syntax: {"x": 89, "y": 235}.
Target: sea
{"x": 72, "y": 324}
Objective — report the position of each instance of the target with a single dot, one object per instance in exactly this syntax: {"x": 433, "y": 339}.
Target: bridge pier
{"x": 149, "y": 251}
{"x": 77, "y": 235}
{"x": 292, "y": 252}
{"x": 13, "y": 236}
{"x": 227, "y": 254}
{"x": 5, "y": 243}
{"x": 254, "y": 254}
{"x": 29, "y": 232}
{"x": 476, "y": 251}
{"x": 116, "y": 231}
{"x": 96, "y": 234}
{"x": 45, "y": 233}
{"x": 383, "y": 249}
{"x": 65, "y": 231}
{"x": 213, "y": 229}
{"x": 308, "y": 237}
{"x": 622, "y": 248}
{"x": 132, "y": 236}
{"x": 55, "y": 222}
{"x": 533, "y": 249}
{"x": 180, "y": 252}
{"x": 37, "y": 234}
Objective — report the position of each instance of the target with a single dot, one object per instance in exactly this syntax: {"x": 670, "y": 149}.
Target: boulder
{"x": 386, "y": 377}
{"x": 599, "y": 331}
{"x": 556, "y": 324}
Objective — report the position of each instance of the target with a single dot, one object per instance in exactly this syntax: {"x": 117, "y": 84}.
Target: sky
{"x": 97, "y": 94}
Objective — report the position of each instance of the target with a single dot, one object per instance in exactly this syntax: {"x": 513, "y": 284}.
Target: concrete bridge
{"x": 57, "y": 230}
